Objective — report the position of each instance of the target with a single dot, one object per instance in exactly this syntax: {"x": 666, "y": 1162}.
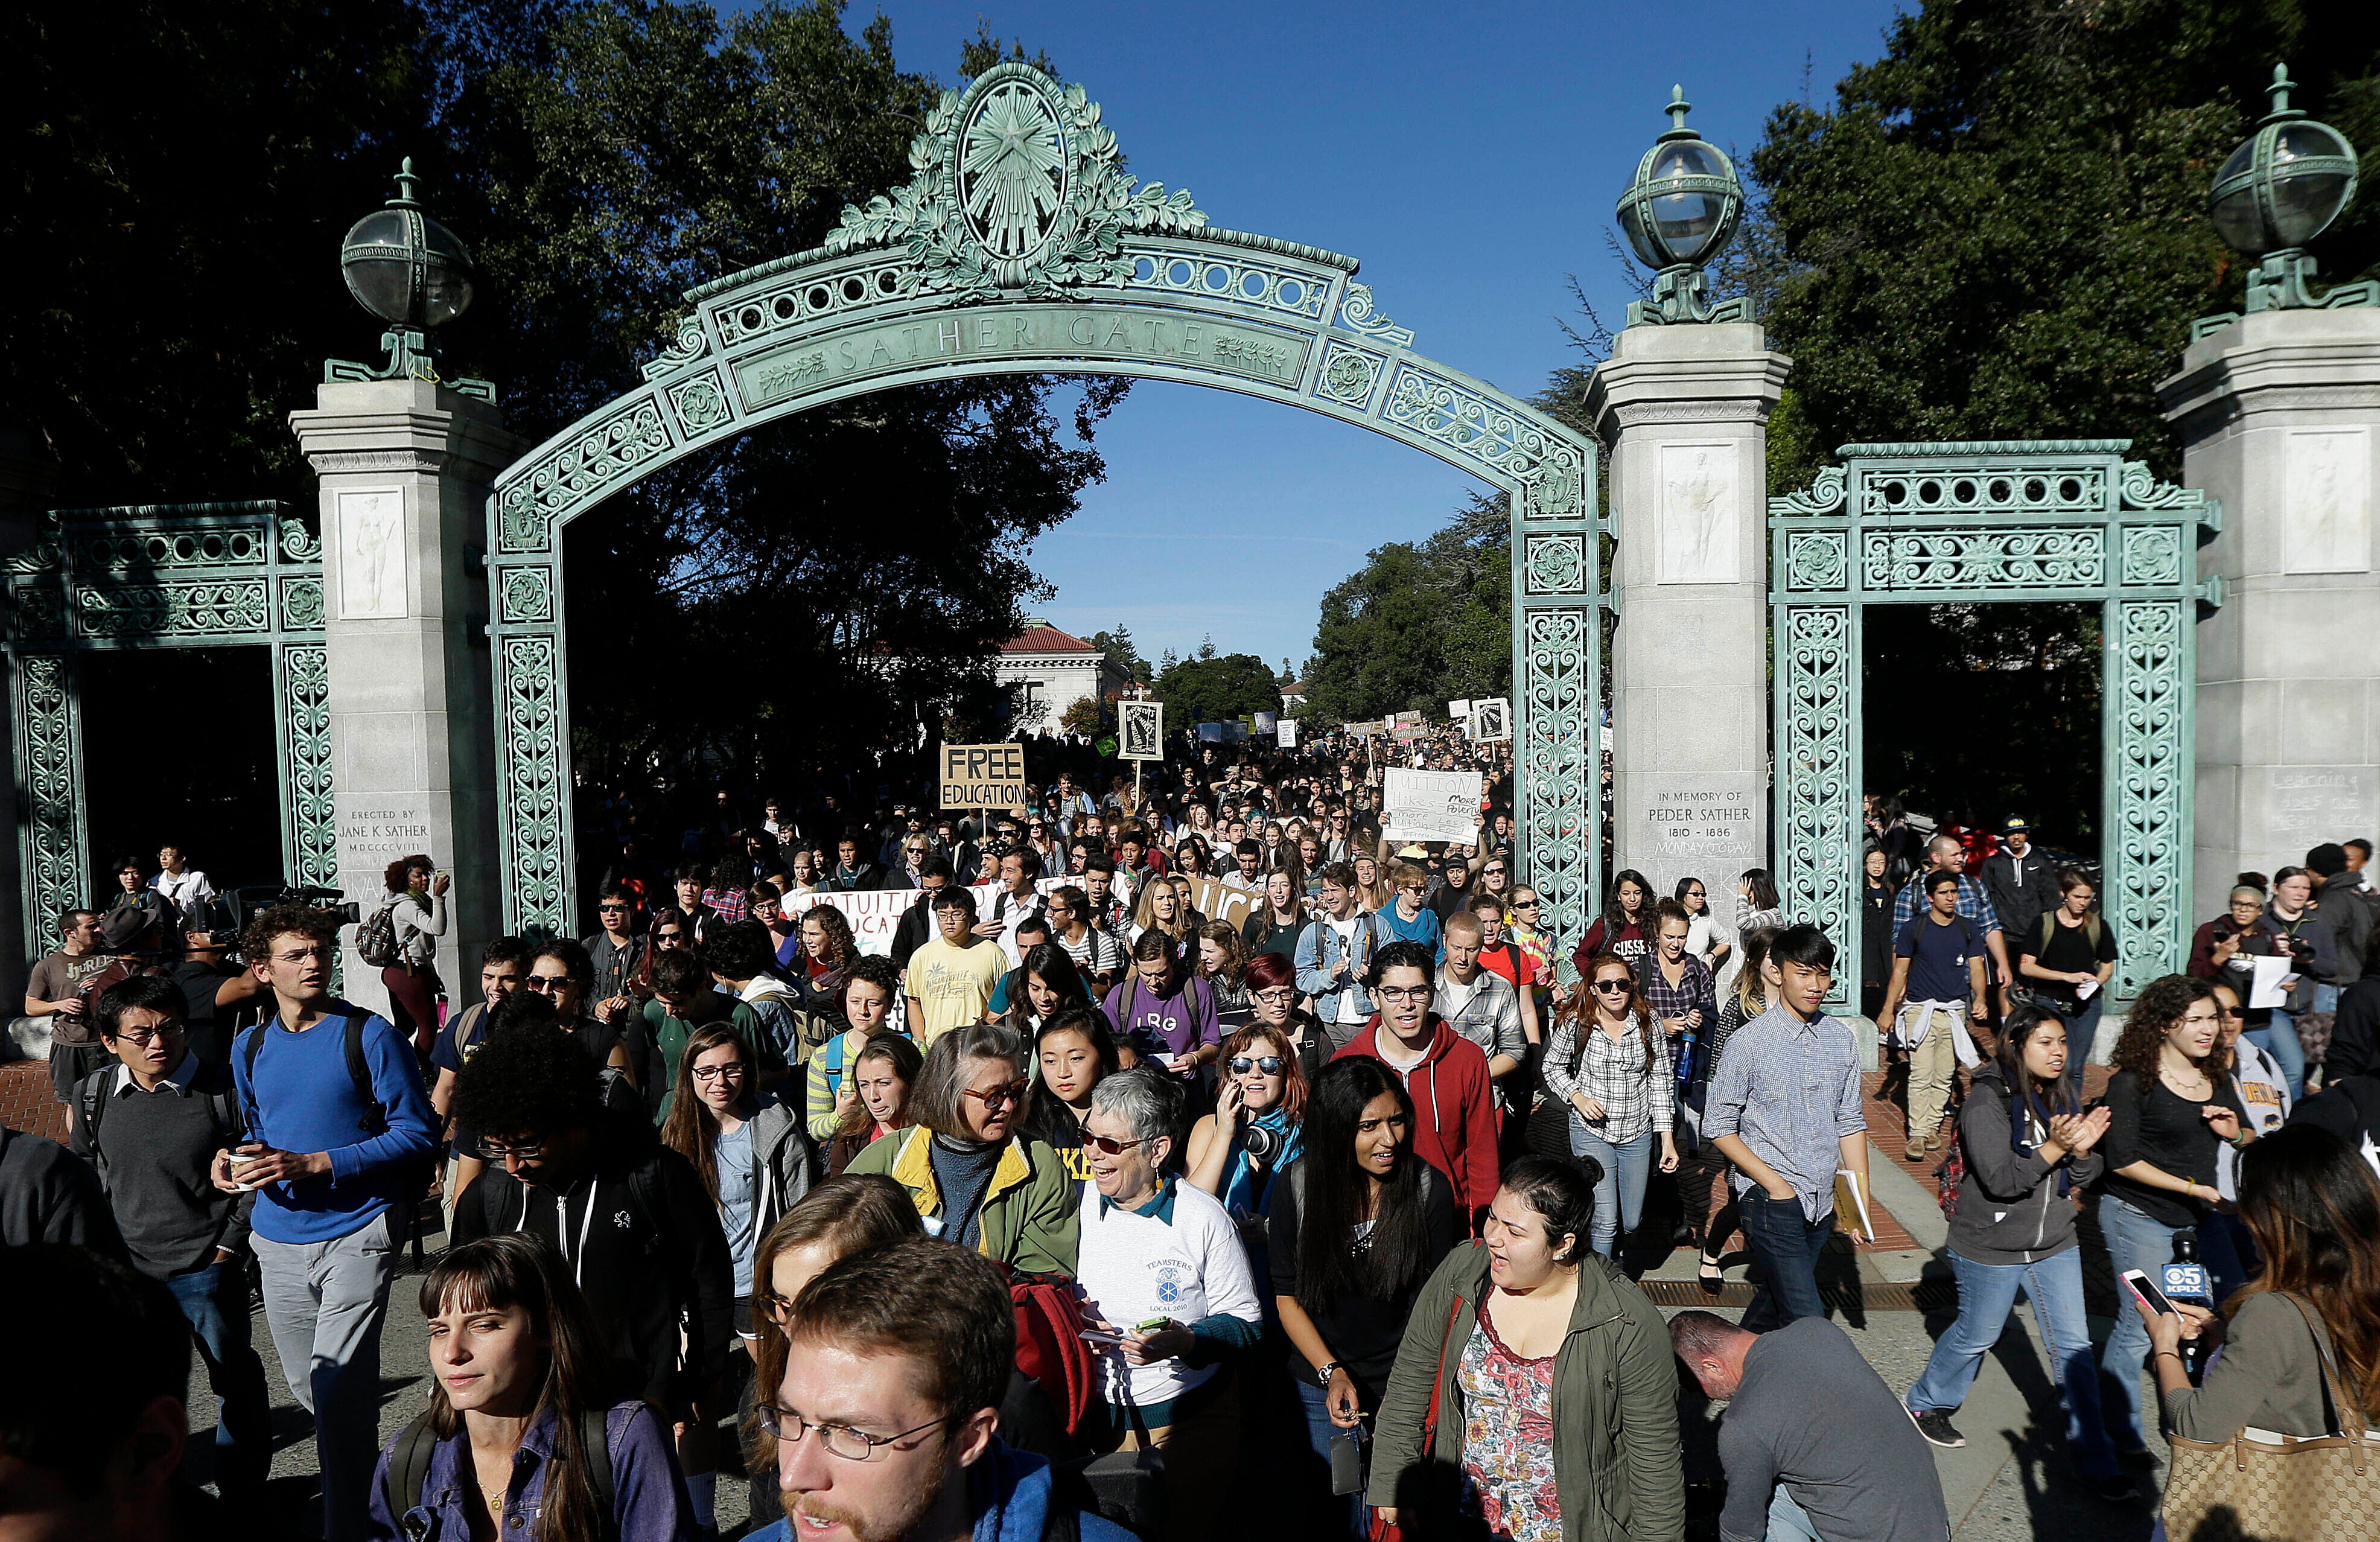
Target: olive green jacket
{"x": 1619, "y": 1468}
{"x": 1028, "y": 1211}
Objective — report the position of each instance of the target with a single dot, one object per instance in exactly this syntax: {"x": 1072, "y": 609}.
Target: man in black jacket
{"x": 2348, "y": 909}
{"x": 628, "y": 1217}
{"x": 2023, "y": 883}
{"x": 916, "y": 926}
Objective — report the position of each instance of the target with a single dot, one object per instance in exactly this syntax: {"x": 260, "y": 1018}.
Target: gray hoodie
{"x": 2009, "y": 1209}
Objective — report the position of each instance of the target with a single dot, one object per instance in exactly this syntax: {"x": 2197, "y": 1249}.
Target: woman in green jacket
{"x": 976, "y": 1178}
{"x": 1544, "y": 1358}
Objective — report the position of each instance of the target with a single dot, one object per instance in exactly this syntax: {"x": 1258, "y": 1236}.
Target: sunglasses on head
{"x": 1269, "y": 1064}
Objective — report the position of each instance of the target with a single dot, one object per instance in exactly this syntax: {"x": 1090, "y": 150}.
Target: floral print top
{"x": 1507, "y": 1438}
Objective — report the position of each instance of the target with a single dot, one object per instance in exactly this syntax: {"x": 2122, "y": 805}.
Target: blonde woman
{"x": 1164, "y": 909}
{"x": 1372, "y": 891}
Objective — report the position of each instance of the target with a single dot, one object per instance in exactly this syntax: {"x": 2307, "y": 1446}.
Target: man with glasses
{"x": 150, "y": 1125}
{"x": 950, "y": 980}
{"x": 339, "y": 1129}
{"x": 1454, "y": 1101}
{"x": 885, "y": 1416}
{"x": 1163, "y": 1272}
{"x": 630, "y": 1217}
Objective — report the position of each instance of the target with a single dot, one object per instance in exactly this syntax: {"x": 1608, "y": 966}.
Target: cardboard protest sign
{"x": 984, "y": 776}
{"x": 1218, "y": 901}
{"x": 1491, "y": 719}
{"x": 1430, "y": 806}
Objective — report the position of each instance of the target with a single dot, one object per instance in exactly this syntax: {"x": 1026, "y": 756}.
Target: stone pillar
{"x": 27, "y": 473}
{"x": 1685, "y": 412}
{"x": 2280, "y": 417}
{"x": 404, "y": 467}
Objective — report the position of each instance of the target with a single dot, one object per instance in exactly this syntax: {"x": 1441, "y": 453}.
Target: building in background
{"x": 1045, "y": 672}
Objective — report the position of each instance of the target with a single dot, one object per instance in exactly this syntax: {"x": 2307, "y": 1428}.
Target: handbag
{"x": 2244, "y": 1490}
{"x": 1384, "y": 1531}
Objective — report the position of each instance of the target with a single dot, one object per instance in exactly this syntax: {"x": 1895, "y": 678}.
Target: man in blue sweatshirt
{"x": 341, "y": 1135}
{"x": 899, "y": 1359}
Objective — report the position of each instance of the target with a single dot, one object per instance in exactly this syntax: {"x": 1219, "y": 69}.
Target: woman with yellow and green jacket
{"x": 1544, "y": 1359}
{"x": 974, "y": 1177}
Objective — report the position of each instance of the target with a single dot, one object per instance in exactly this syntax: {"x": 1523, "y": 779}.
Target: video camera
{"x": 251, "y": 898}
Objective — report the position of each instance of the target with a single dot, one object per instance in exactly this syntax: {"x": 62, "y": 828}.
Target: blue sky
{"x": 1470, "y": 155}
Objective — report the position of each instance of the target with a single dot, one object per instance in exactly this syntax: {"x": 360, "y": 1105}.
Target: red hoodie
{"x": 1455, "y": 1109}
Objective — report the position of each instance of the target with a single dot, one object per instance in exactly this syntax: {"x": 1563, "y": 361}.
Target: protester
{"x": 775, "y": 1022}
{"x": 616, "y": 948}
{"x": 2030, "y": 1148}
{"x": 1937, "y": 983}
{"x": 1045, "y": 983}
{"x": 93, "y": 1428}
{"x": 1554, "y": 1392}
{"x": 1975, "y": 906}
{"x": 1484, "y": 1007}
{"x": 1624, "y": 927}
{"x": 823, "y": 952}
{"x": 2349, "y": 909}
{"x": 1749, "y": 997}
{"x": 417, "y": 906}
{"x": 2024, "y": 884}
{"x": 950, "y": 980}
{"x": 864, "y": 1006}
{"x": 1353, "y": 1231}
{"x": 2313, "y": 1209}
{"x": 1073, "y": 1052}
{"x": 1875, "y": 933}
{"x": 59, "y": 988}
{"x": 1164, "y": 1273}
{"x": 1679, "y": 992}
{"x": 1098, "y": 958}
{"x": 2066, "y": 959}
{"x": 1813, "y": 1443}
{"x": 1407, "y": 919}
{"x": 503, "y": 962}
{"x": 1608, "y": 1062}
{"x": 1223, "y": 966}
{"x": 1163, "y": 1012}
{"x": 898, "y": 1360}
{"x": 972, "y": 1172}
{"x": 150, "y": 1126}
{"x": 750, "y": 1152}
{"x": 1253, "y": 1134}
{"x": 882, "y": 1073}
{"x": 1275, "y": 926}
{"x": 1334, "y": 956}
{"x": 1272, "y": 999}
{"x": 2172, "y": 1106}
{"x": 1784, "y": 1107}
{"x": 1446, "y": 1073}
{"x": 2307, "y": 939}
{"x": 330, "y": 1210}
{"x": 522, "y": 1424}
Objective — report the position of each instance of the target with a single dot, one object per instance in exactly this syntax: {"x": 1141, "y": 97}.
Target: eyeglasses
{"x": 1269, "y": 1064}
{"x": 733, "y": 1071}
{"x": 670, "y": 935}
{"x": 496, "y": 1151}
{"x": 2228, "y": 1012}
{"x": 852, "y": 1445}
{"x": 1493, "y": 872}
{"x": 547, "y": 985}
{"x": 995, "y": 1097}
{"x": 1111, "y": 1146}
{"x": 1402, "y": 992}
{"x": 1278, "y": 996}
{"x": 1622, "y": 987}
{"x": 148, "y": 1036}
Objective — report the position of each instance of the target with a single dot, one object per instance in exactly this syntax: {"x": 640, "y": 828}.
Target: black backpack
{"x": 408, "y": 1465}
{"x": 416, "y": 1174}
{"x": 98, "y": 1095}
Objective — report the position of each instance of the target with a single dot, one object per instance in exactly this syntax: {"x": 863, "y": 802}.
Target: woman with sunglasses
{"x": 754, "y": 1161}
{"x": 1608, "y": 1060}
{"x": 882, "y": 1074}
{"x": 971, "y": 1171}
{"x": 1524, "y": 916}
{"x": 519, "y": 1393}
{"x": 1263, "y": 1090}
{"x": 1355, "y": 1230}
{"x": 670, "y": 929}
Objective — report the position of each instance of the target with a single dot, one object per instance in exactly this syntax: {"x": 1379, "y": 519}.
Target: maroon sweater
{"x": 1455, "y": 1109}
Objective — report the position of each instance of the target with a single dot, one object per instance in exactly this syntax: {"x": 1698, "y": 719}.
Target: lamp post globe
{"x": 1679, "y": 211}
{"x": 413, "y": 274}
{"x": 2277, "y": 192}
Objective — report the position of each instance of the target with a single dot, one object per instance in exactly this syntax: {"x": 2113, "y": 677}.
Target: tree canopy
{"x": 1217, "y": 687}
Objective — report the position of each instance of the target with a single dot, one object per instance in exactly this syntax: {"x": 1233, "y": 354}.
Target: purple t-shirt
{"x": 1173, "y": 1024}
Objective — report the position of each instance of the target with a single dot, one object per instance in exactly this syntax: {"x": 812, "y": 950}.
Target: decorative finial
{"x": 2281, "y": 89}
{"x": 405, "y": 181}
{"x": 1678, "y": 108}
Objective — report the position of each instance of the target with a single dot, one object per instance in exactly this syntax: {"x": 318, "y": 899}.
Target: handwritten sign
{"x": 1287, "y": 733}
{"x": 1430, "y": 806}
{"x": 984, "y": 776}
{"x": 1219, "y": 902}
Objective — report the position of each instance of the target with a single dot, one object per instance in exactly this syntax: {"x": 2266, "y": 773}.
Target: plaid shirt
{"x": 1973, "y": 904}
{"x": 1635, "y": 1098}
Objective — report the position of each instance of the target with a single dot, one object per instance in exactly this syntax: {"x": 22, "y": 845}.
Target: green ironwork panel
{"x": 49, "y": 830}
{"x": 1988, "y": 522}
{"x": 162, "y": 576}
{"x": 1021, "y": 247}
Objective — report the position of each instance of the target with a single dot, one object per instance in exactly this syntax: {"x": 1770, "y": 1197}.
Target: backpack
{"x": 376, "y": 937}
{"x": 408, "y": 1465}
{"x": 1050, "y": 1347}
{"x": 413, "y": 1176}
{"x": 98, "y": 1097}
{"x": 2091, "y": 929}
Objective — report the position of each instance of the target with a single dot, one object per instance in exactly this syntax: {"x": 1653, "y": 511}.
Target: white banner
{"x": 1430, "y": 806}
{"x": 1460, "y": 710}
{"x": 875, "y": 914}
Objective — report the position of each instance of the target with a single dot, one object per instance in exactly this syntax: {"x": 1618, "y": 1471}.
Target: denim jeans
{"x": 1785, "y": 1249}
{"x": 1788, "y": 1522}
{"x": 2082, "y": 1027}
{"x": 1320, "y": 1432}
{"x": 2279, "y": 1039}
{"x": 2134, "y": 1241}
{"x": 1620, "y": 1192}
{"x": 1987, "y": 1295}
{"x": 215, "y": 1300}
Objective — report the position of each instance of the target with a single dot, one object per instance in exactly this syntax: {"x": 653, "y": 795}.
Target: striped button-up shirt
{"x": 1791, "y": 1091}
{"x": 1973, "y": 904}
{"x": 1635, "y": 1098}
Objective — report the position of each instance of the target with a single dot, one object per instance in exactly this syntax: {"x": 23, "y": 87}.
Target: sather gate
{"x": 1021, "y": 247}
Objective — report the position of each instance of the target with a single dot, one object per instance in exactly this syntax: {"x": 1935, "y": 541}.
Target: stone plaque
{"x": 372, "y": 554}
{"x": 1708, "y": 825}
{"x": 2302, "y": 806}
{"x": 1699, "y": 541}
{"x": 2327, "y": 505}
{"x": 374, "y": 830}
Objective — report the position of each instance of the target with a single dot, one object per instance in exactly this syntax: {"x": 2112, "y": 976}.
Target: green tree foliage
{"x": 1999, "y": 231}
{"x": 1122, "y": 652}
{"x": 1216, "y": 688}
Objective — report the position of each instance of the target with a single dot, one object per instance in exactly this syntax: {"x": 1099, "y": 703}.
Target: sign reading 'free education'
{"x": 984, "y": 776}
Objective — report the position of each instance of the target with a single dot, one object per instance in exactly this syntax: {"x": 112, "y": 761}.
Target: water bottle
{"x": 2186, "y": 1282}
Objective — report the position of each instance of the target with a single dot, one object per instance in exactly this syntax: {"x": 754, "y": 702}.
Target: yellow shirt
{"x": 953, "y": 985}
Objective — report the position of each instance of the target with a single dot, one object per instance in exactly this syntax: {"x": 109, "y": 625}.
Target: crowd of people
{"x": 1075, "y": 1212}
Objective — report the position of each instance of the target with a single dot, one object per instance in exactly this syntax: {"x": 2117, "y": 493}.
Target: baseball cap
{"x": 2016, "y": 823}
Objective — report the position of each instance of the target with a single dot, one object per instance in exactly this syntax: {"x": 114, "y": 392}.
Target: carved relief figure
{"x": 372, "y": 554}
{"x": 2327, "y": 521}
{"x": 1697, "y": 490}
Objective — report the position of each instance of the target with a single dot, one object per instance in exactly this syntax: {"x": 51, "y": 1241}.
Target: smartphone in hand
{"x": 2144, "y": 1290}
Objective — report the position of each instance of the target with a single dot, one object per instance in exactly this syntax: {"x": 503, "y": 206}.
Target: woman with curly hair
{"x": 826, "y": 951}
{"x": 2172, "y": 1106}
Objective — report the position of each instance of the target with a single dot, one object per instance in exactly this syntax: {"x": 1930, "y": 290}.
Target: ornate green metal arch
{"x": 1021, "y": 247}
{"x": 1972, "y": 522}
{"x": 162, "y": 576}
